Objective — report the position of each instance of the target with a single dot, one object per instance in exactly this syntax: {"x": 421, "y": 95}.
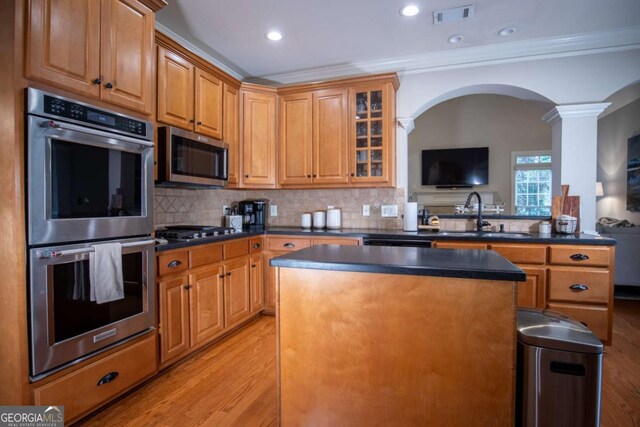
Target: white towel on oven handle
{"x": 105, "y": 272}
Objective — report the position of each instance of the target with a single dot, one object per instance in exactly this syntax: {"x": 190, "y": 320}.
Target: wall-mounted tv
{"x": 455, "y": 167}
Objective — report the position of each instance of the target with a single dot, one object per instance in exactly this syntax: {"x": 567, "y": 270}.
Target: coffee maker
{"x": 254, "y": 214}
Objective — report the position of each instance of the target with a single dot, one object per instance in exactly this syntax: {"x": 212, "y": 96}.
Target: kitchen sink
{"x": 492, "y": 234}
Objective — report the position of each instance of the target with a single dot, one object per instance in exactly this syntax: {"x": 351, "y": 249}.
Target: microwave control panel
{"x": 82, "y": 113}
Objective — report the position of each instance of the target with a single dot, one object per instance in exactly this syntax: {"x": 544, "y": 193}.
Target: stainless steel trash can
{"x": 559, "y": 371}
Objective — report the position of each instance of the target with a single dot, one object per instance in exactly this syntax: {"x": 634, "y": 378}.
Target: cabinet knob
{"x": 315, "y": 176}
{"x": 579, "y": 257}
{"x": 174, "y": 263}
{"x": 198, "y": 123}
{"x": 253, "y": 266}
{"x": 353, "y": 174}
{"x": 108, "y": 85}
{"x": 187, "y": 286}
{"x": 229, "y": 274}
{"x": 108, "y": 378}
{"x": 192, "y": 121}
{"x": 246, "y": 176}
{"x": 221, "y": 276}
{"x": 96, "y": 81}
{"x": 256, "y": 246}
{"x": 579, "y": 287}
{"x": 308, "y": 176}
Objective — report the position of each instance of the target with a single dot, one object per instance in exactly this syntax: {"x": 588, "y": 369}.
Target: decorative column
{"x": 574, "y": 134}
{"x": 404, "y": 128}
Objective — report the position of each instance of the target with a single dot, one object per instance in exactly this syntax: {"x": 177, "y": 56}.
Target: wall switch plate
{"x": 389, "y": 211}
{"x": 225, "y": 210}
{"x": 274, "y": 210}
{"x": 366, "y": 210}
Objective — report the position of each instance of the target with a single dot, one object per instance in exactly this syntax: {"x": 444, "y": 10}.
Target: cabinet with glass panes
{"x": 372, "y": 138}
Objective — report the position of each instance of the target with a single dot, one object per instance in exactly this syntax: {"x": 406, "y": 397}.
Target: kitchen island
{"x": 390, "y": 335}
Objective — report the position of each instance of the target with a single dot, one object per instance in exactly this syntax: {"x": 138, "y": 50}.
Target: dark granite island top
{"x": 467, "y": 264}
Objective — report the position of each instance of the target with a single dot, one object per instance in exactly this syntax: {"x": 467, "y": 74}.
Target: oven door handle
{"x": 47, "y": 253}
{"x": 53, "y": 125}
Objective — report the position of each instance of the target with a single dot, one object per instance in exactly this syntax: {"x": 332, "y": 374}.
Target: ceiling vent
{"x": 453, "y": 15}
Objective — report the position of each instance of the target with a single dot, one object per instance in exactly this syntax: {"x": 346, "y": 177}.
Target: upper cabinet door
{"x": 175, "y": 89}
{"x": 127, "y": 54}
{"x": 231, "y": 129}
{"x": 63, "y": 44}
{"x": 295, "y": 160}
{"x": 259, "y": 139}
{"x": 208, "y": 104}
{"x": 330, "y": 127}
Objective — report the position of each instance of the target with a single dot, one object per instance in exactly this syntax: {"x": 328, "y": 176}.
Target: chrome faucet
{"x": 479, "y": 222}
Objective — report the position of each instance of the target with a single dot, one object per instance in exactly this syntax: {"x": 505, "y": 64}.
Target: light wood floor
{"x": 234, "y": 383}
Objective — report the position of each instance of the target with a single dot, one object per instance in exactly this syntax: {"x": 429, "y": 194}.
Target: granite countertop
{"x": 466, "y": 264}
{"x": 567, "y": 239}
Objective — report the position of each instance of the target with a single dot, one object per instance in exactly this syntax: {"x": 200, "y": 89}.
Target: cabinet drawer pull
{"x": 289, "y": 245}
{"x": 108, "y": 378}
{"x": 579, "y": 257}
{"x": 174, "y": 263}
{"x": 579, "y": 287}
{"x": 256, "y": 246}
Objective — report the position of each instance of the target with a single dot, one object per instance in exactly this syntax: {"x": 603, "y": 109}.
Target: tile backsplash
{"x": 182, "y": 206}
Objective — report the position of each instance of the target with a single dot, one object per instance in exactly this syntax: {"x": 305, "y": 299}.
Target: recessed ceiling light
{"x": 455, "y": 39}
{"x": 274, "y": 35}
{"x": 409, "y": 10}
{"x": 507, "y": 31}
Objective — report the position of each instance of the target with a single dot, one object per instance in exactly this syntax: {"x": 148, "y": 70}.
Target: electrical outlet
{"x": 274, "y": 210}
{"x": 225, "y": 210}
{"x": 366, "y": 210}
{"x": 389, "y": 211}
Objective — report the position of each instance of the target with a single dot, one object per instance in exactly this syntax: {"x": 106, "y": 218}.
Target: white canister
{"x": 305, "y": 220}
{"x": 319, "y": 219}
{"x": 545, "y": 227}
{"x": 334, "y": 220}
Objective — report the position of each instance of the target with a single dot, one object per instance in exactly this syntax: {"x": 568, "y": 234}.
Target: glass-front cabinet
{"x": 371, "y": 136}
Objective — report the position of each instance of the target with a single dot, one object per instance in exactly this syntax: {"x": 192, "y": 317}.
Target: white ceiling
{"x": 343, "y": 37}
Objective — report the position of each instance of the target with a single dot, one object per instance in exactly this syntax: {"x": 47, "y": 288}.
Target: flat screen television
{"x": 455, "y": 167}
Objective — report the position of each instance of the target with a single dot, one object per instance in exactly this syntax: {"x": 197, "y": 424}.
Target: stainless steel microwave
{"x": 189, "y": 159}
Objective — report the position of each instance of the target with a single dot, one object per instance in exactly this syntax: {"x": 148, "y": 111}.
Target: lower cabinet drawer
{"x": 288, "y": 243}
{"x": 595, "y": 318}
{"x": 579, "y": 285}
{"x": 173, "y": 263}
{"x": 81, "y": 391}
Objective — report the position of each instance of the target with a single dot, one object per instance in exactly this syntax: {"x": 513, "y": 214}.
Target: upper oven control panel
{"x": 50, "y": 105}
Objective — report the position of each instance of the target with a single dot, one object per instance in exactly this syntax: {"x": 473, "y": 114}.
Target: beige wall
{"x": 502, "y": 123}
{"x": 613, "y": 132}
{"x": 204, "y": 207}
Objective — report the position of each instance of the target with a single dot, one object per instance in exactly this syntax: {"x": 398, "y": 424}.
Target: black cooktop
{"x": 190, "y": 232}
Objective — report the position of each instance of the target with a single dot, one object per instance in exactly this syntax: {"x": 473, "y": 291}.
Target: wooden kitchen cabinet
{"x": 231, "y": 130}
{"x": 101, "y": 49}
{"x": 237, "y": 292}
{"x": 188, "y": 96}
{"x": 256, "y": 279}
{"x": 573, "y": 279}
{"x": 206, "y": 303}
{"x": 278, "y": 245}
{"x": 313, "y": 139}
{"x": 174, "y": 317}
{"x": 258, "y": 136}
{"x": 372, "y": 134}
{"x": 206, "y": 291}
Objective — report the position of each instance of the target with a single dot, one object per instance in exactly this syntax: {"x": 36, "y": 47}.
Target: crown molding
{"x": 498, "y": 53}
{"x": 199, "y": 52}
{"x": 407, "y": 124}
{"x": 574, "y": 111}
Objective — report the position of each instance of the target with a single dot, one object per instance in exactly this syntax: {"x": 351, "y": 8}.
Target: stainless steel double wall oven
{"x": 89, "y": 181}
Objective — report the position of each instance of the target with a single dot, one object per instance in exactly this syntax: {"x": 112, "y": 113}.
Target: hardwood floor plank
{"x": 234, "y": 382}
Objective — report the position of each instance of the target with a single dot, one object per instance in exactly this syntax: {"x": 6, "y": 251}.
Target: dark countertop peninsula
{"x": 467, "y": 264}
